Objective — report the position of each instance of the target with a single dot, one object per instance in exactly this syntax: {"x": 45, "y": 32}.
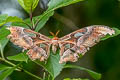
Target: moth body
{"x": 55, "y": 44}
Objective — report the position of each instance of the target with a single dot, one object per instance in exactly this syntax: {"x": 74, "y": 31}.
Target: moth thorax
{"x": 55, "y": 40}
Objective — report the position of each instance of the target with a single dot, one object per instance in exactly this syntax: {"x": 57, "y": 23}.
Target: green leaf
{"x": 75, "y": 79}
{"x": 3, "y": 17}
{"x": 20, "y": 24}
{"x": 43, "y": 19}
{"x": 4, "y": 67}
{"x": 52, "y": 66}
{"x": 19, "y": 57}
{"x": 93, "y": 74}
{"x": 3, "y": 43}
{"x": 9, "y": 19}
{"x": 3, "y": 40}
{"x": 35, "y": 3}
{"x": 117, "y": 32}
{"x": 40, "y": 24}
{"x": 4, "y": 32}
{"x": 53, "y": 5}
{"x": 28, "y": 4}
{"x": 14, "y": 19}
{"x": 7, "y": 72}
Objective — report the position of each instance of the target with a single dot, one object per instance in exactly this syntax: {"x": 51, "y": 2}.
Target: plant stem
{"x": 32, "y": 74}
{"x": 19, "y": 68}
{"x": 44, "y": 75}
{"x": 37, "y": 22}
{"x": 2, "y": 55}
{"x": 31, "y": 18}
{"x": 27, "y": 25}
{"x": 9, "y": 62}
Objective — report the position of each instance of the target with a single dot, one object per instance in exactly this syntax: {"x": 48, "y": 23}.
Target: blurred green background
{"x": 103, "y": 57}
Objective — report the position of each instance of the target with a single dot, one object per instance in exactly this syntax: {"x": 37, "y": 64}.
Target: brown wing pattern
{"x": 71, "y": 45}
{"x": 37, "y": 44}
{"x": 79, "y": 41}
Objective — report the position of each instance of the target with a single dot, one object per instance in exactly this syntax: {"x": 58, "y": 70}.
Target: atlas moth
{"x": 71, "y": 45}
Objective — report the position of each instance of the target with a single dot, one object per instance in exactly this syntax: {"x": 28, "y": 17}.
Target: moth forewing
{"x": 71, "y": 45}
{"x": 23, "y": 38}
{"x": 84, "y": 38}
{"x": 18, "y": 37}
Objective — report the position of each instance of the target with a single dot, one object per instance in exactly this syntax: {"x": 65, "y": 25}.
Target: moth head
{"x": 55, "y": 39}
{"x": 55, "y": 35}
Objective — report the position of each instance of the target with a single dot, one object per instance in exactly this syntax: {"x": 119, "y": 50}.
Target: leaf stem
{"x": 32, "y": 74}
{"x": 45, "y": 13}
{"x": 2, "y": 55}
{"x": 27, "y": 25}
{"x": 9, "y": 62}
{"x": 20, "y": 69}
{"x": 31, "y": 17}
{"x": 44, "y": 75}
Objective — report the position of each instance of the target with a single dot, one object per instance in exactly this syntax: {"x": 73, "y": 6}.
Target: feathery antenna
{"x": 55, "y": 35}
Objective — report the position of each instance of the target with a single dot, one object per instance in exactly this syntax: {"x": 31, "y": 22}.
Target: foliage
{"x": 93, "y": 74}
{"x": 75, "y": 79}
{"x": 19, "y": 57}
{"x": 52, "y": 65}
{"x": 28, "y": 4}
{"x": 5, "y": 19}
{"x": 7, "y": 72}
